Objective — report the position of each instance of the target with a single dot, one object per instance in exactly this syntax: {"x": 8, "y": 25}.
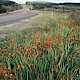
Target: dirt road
{"x": 16, "y": 16}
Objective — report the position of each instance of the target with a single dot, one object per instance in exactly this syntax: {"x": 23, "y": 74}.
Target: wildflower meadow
{"x": 49, "y": 50}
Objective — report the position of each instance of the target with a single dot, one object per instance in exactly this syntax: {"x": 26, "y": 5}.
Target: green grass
{"x": 48, "y": 50}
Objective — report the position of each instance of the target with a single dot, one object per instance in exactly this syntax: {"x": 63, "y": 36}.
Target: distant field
{"x": 48, "y": 50}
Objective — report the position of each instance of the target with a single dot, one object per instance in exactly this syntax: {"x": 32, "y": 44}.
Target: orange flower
{"x": 67, "y": 78}
{"x": 10, "y": 43}
{"x": 24, "y": 57}
{"x": 11, "y": 75}
{"x": 60, "y": 43}
{"x": 61, "y": 78}
{"x": 22, "y": 67}
{"x": 31, "y": 65}
{"x": 33, "y": 47}
{"x": 51, "y": 42}
{"x": 62, "y": 54}
{"x": 71, "y": 78}
{"x": 48, "y": 42}
{"x": 13, "y": 39}
{"x": 37, "y": 41}
{"x": 70, "y": 35}
{"x": 6, "y": 75}
{"x": 56, "y": 36}
{"x": 53, "y": 69}
{"x": 62, "y": 22}
{"x": 26, "y": 36}
{"x": 9, "y": 69}
{"x": 18, "y": 67}
{"x": 42, "y": 29}
{"x": 78, "y": 39}
{"x": 12, "y": 55}
{"x": 1, "y": 70}
{"x": 60, "y": 49}
{"x": 18, "y": 51}
{"x": 76, "y": 69}
{"x": 43, "y": 55}
{"x": 56, "y": 69}
{"x": 79, "y": 51}
{"x": 78, "y": 28}
{"x": 4, "y": 49}
{"x": 38, "y": 34}
{"x": 1, "y": 64}
{"x": 48, "y": 28}
{"x": 40, "y": 75}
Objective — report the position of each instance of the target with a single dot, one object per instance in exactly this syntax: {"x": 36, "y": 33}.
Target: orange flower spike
{"x": 53, "y": 69}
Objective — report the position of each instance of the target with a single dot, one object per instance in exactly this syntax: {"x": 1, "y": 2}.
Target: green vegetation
{"x": 49, "y": 50}
{"x": 44, "y": 5}
{"x": 8, "y": 6}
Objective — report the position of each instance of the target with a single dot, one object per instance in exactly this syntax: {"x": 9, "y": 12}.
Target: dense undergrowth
{"x": 49, "y": 51}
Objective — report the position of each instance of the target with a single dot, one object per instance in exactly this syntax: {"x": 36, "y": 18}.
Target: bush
{"x": 8, "y": 6}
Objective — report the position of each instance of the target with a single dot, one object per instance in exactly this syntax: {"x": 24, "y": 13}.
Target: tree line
{"x": 8, "y": 6}
{"x": 44, "y": 5}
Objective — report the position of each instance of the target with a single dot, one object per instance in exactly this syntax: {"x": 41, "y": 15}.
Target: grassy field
{"x": 48, "y": 50}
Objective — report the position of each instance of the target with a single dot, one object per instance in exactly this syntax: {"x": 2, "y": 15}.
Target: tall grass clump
{"x": 50, "y": 51}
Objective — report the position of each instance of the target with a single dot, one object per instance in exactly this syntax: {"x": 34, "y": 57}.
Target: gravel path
{"x": 16, "y": 20}
{"x": 16, "y": 16}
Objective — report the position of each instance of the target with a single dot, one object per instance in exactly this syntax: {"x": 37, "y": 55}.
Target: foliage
{"x": 8, "y": 6}
{"x": 43, "y": 5}
{"x": 49, "y": 51}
